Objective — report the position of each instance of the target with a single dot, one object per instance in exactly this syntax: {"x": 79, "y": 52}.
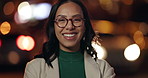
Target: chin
{"x": 70, "y": 46}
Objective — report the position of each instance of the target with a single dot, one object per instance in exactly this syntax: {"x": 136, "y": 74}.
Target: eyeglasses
{"x": 62, "y": 21}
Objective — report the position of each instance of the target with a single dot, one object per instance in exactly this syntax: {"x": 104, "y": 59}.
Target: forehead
{"x": 69, "y": 9}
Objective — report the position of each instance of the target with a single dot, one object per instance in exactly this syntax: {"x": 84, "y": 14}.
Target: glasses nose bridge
{"x": 70, "y": 20}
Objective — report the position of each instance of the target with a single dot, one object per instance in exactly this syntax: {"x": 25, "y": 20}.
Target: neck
{"x": 70, "y": 49}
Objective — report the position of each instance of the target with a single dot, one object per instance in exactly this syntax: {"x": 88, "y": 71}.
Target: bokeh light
{"x": 13, "y": 57}
{"x": 139, "y": 39}
{"x": 143, "y": 28}
{"x": 131, "y": 26}
{"x": 110, "y": 6}
{"x": 106, "y": 4}
{"x": 5, "y": 28}
{"x": 16, "y": 18}
{"x": 8, "y": 8}
{"x": 41, "y": 11}
{"x": 104, "y": 26}
{"x": 30, "y": 12}
{"x": 24, "y": 12}
{"x": 25, "y": 42}
{"x": 122, "y": 42}
{"x": 127, "y": 2}
{"x": 132, "y": 52}
{"x": 101, "y": 51}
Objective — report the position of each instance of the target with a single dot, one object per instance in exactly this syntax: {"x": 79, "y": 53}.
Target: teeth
{"x": 69, "y": 35}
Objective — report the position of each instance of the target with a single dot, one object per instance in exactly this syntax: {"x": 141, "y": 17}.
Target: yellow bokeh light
{"x": 5, "y": 28}
{"x": 104, "y": 26}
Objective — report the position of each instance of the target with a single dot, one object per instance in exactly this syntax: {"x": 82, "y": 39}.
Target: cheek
{"x": 83, "y": 29}
{"x": 57, "y": 32}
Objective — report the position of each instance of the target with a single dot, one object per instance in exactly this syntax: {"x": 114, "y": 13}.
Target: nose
{"x": 69, "y": 25}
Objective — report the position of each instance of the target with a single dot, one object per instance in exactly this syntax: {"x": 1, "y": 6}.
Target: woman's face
{"x": 69, "y": 36}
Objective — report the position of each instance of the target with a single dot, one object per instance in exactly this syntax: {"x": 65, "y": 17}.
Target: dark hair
{"x": 51, "y": 47}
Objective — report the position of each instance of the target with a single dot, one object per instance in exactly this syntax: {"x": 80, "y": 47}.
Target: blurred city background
{"x": 121, "y": 24}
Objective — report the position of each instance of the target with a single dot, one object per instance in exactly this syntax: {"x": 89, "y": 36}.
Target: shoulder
{"x": 33, "y": 68}
{"x": 36, "y": 61}
{"x": 102, "y": 62}
{"x": 105, "y": 68}
{"x": 102, "y": 65}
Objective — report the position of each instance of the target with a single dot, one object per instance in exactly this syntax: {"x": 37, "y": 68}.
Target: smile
{"x": 69, "y": 35}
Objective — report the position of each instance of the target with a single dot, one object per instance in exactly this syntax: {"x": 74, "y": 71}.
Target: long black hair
{"x": 51, "y": 48}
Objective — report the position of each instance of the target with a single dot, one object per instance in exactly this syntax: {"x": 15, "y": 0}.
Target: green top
{"x": 71, "y": 64}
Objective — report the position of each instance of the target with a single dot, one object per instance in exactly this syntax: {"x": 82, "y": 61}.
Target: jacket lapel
{"x": 91, "y": 67}
{"x": 54, "y": 72}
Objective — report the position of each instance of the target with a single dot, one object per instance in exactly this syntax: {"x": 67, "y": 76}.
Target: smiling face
{"x": 69, "y": 36}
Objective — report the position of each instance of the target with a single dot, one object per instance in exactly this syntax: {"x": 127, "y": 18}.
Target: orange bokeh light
{"x": 13, "y": 57}
{"x": 9, "y": 8}
{"x": 5, "y": 28}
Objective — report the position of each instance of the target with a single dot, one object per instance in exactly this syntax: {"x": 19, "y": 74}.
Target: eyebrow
{"x": 76, "y": 15}
{"x": 72, "y": 16}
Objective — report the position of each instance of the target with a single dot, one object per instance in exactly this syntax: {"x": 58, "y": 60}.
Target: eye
{"x": 61, "y": 20}
{"x": 77, "y": 19}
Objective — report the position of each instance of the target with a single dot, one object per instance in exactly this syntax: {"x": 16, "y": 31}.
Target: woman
{"x": 68, "y": 53}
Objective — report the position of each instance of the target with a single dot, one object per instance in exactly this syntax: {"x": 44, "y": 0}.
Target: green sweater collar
{"x": 71, "y": 56}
